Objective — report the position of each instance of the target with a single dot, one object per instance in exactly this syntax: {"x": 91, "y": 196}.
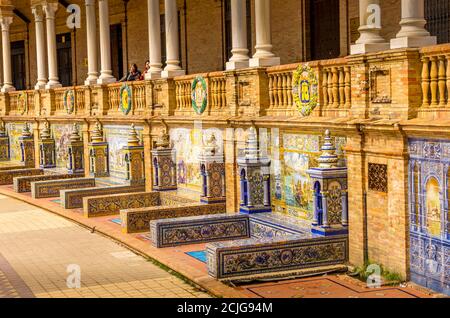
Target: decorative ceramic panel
{"x": 117, "y": 137}
{"x": 188, "y": 146}
{"x": 14, "y": 132}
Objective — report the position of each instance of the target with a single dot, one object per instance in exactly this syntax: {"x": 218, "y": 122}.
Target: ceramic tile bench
{"x": 199, "y": 229}
{"x": 23, "y": 184}
{"x": 52, "y": 188}
{"x": 7, "y": 176}
{"x": 253, "y": 256}
{"x": 112, "y": 204}
{"x": 138, "y": 220}
{"x": 73, "y": 199}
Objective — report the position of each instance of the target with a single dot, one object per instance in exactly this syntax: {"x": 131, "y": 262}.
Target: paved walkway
{"x": 37, "y": 249}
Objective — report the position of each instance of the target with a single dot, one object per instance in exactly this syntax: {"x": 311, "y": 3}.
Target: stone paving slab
{"x": 37, "y": 264}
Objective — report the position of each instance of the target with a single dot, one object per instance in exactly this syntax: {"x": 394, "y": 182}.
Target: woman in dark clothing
{"x": 133, "y": 75}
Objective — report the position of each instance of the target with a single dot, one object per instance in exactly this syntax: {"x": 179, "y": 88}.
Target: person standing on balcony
{"x": 133, "y": 75}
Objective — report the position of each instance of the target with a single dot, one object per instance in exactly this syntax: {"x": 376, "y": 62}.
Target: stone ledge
{"x": 7, "y": 176}
{"x": 23, "y": 184}
{"x": 112, "y": 204}
{"x": 138, "y": 220}
{"x": 199, "y": 229}
{"x": 52, "y": 188}
{"x": 73, "y": 199}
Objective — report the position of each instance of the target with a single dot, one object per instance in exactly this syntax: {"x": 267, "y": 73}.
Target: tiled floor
{"x": 36, "y": 248}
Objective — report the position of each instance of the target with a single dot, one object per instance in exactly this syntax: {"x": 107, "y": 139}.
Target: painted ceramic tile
{"x": 14, "y": 132}
{"x": 188, "y": 146}
{"x": 61, "y": 134}
{"x": 117, "y": 137}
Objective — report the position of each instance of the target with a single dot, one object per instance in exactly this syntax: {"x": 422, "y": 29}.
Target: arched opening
{"x": 204, "y": 181}
{"x": 318, "y": 203}
{"x": 416, "y": 207}
{"x": 156, "y": 173}
{"x": 244, "y": 188}
{"x": 433, "y": 207}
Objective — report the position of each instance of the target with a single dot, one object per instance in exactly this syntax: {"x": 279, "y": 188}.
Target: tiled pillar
{"x": 172, "y": 68}
{"x": 263, "y": 56}
{"x": 40, "y": 47}
{"x": 413, "y": 33}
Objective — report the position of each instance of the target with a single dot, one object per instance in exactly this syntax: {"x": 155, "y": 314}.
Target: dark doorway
{"x": 117, "y": 51}
{"x": 64, "y": 52}
{"x": 437, "y": 14}
{"x": 228, "y": 28}
{"x": 324, "y": 26}
{"x": 19, "y": 71}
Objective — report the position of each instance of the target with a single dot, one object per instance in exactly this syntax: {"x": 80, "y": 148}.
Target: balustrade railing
{"x": 435, "y": 76}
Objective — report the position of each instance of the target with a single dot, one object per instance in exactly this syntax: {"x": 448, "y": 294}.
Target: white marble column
{"x": 172, "y": 68}
{"x": 413, "y": 33}
{"x": 370, "y": 39}
{"x": 40, "y": 48}
{"x": 240, "y": 57}
{"x": 106, "y": 76}
{"x": 92, "y": 44}
{"x": 50, "y": 13}
{"x": 154, "y": 39}
{"x": 7, "y": 72}
{"x": 263, "y": 56}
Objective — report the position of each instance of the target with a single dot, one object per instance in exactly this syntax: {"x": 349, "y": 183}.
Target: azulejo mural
{"x": 429, "y": 201}
{"x": 126, "y": 99}
{"x": 61, "y": 134}
{"x": 199, "y": 95}
{"x": 69, "y": 101}
{"x": 117, "y": 137}
{"x": 188, "y": 144}
{"x": 305, "y": 89}
{"x": 14, "y": 132}
{"x": 291, "y": 156}
{"x": 22, "y": 103}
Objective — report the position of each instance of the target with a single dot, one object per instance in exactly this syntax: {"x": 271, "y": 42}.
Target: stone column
{"x": 50, "y": 13}
{"x": 325, "y": 223}
{"x": 154, "y": 40}
{"x": 91, "y": 30}
{"x": 263, "y": 56}
{"x": 344, "y": 208}
{"x": 40, "y": 47}
{"x": 172, "y": 68}
{"x": 370, "y": 27}
{"x": 106, "y": 76}
{"x": 413, "y": 33}
{"x": 5, "y": 22}
{"x": 240, "y": 57}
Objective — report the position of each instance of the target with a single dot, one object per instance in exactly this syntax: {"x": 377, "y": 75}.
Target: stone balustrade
{"x": 354, "y": 86}
{"x": 435, "y": 81}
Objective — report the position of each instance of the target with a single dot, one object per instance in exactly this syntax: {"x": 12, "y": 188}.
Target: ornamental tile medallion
{"x": 126, "y": 99}
{"x": 305, "y": 89}
{"x": 199, "y": 95}
{"x": 69, "y": 101}
{"x": 22, "y": 103}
